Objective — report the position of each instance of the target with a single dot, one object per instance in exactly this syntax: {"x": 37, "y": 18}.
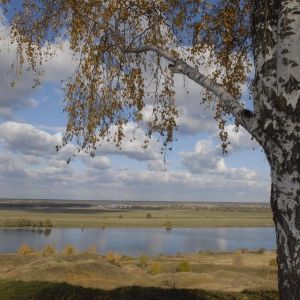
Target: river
{"x": 135, "y": 241}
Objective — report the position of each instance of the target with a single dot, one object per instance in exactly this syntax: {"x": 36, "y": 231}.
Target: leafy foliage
{"x": 114, "y": 259}
{"x": 155, "y": 268}
{"x": 92, "y": 249}
{"x": 168, "y": 225}
{"x": 143, "y": 260}
{"x": 119, "y": 47}
{"x": 117, "y": 258}
{"x": 49, "y": 249}
{"x": 184, "y": 266}
{"x": 68, "y": 249}
{"x": 48, "y": 223}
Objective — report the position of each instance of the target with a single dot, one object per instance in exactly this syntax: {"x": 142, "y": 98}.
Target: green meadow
{"x": 141, "y": 216}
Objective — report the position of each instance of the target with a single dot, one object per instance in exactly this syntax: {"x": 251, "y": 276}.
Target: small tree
{"x": 68, "y": 250}
{"x": 168, "y": 225}
{"x": 155, "y": 268}
{"x": 92, "y": 249}
{"x": 25, "y": 249}
{"x": 117, "y": 259}
{"x": 184, "y": 266}
{"x": 143, "y": 260}
{"x": 109, "y": 257}
{"x": 148, "y": 216}
{"x": 49, "y": 249}
{"x": 48, "y": 223}
{"x": 7, "y": 223}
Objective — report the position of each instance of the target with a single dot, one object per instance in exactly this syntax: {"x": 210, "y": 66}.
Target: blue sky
{"x": 32, "y": 124}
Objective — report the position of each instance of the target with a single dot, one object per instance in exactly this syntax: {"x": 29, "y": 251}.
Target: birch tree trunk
{"x": 276, "y": 26}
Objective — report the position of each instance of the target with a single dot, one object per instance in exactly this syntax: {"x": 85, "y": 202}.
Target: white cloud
{"x": 240, "y": 140}
{"x": 132, "y": 144}
{"x": 97, "y": 162}
{"x": 206, "y": 159}
{"x": 27, "y": 139}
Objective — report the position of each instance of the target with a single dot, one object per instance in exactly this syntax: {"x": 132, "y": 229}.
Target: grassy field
{"x": 220, "y": 276}
{"x": 124, "y": 218}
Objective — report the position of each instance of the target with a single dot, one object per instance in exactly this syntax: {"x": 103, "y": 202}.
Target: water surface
{"x": 135, "y": 241}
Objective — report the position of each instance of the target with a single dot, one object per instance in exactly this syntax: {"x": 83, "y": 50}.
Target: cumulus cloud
{"x": 21, "y": 95}
{"x": 27, "y": 139}
{"x": 240, "y": 140}
{"x": 132, "y": 144}
{"x": 207, "y": 159}
{"x": 97, "y": 162}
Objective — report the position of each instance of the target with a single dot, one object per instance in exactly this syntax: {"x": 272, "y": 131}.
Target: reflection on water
{"x": 135, "y": 241}
{"x": 47, "y": 231}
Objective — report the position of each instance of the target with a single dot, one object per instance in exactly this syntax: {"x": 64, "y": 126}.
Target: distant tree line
{"x": 42, "y": 204}
{"x": 27, "y": 223}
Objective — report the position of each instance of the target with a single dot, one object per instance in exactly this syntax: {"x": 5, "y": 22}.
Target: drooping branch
{"x": 244, "y": 117}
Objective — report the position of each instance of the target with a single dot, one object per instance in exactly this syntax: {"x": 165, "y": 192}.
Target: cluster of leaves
{"x": 27, "y": 223}
{"x": 117, "y": 45}
{"x": 225, "y": 29}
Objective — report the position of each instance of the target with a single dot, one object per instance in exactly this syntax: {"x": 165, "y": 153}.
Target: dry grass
{"x": 213, "y": 271}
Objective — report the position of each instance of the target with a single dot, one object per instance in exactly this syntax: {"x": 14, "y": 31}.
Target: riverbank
{"x": 229, "y": 272}
{"x": 143, "y": 215}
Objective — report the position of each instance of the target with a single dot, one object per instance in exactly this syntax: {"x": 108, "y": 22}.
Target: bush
{"x": 109, "y": 257}
{"x": 49, "y": 249}
{"x": 184, "y": 266}
{"x": 148, "y": 216}
{"x": 8, "y": 223}
{"x": 92, "y": 249}
{"x": 113, "y": 259}
{"x": 68, "y": 250}
{"x": 261, "y": 250}
{"x": 127, "y": 258}
{"x": 25, "y": 249}
{"x": 22, "y": 223}
{"x": 36, "y": 223}
{"x": 143, "y": 260}
{"x": 48, "y": 223}
{"x": 117, "y": 259}
{"x": 168, "y": 225}
{"x": 155, "y": 268}
{"x": 273, "y": 263}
